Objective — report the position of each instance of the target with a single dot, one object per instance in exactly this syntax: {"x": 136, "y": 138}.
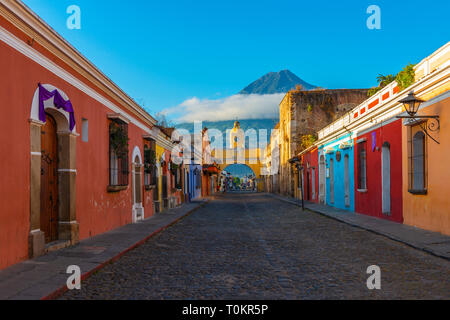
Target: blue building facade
{"x": 192, "y": 182}
{"x": 339, "y": 173}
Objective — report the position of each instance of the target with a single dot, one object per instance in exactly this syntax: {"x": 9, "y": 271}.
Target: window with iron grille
{"x": 118, "y": 153}
{"x": 179, "y": 180}
{"x": 176, "y": 172}
{"x": 165, "y": 185}
{"x": 417, "y": 160}
{"x": 150, "y": 176}
{"x": 198, "y": 179}
{"x": 362, "y": 166}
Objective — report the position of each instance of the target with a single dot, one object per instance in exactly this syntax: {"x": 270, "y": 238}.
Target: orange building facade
{"x": 425, "y": 148}
{"x": 64, "y": 181}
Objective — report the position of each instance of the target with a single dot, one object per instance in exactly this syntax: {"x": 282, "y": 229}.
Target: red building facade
{"x": 310, "y": 175}
{"x": 382, "y": 147}
{"x": 62, "y": 182}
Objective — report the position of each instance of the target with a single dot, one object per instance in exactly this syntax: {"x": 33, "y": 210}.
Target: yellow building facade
{"x": 286, "y": 174}
{"x": 159, "y": 154}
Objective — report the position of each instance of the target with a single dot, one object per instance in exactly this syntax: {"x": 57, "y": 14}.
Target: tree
{"x": 383, "y": 81}
{"x": 404, "y": 78}
{"x": 162, "y": 120}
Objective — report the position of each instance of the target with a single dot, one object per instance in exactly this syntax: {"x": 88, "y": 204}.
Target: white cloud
{"x": 239, "y": 106}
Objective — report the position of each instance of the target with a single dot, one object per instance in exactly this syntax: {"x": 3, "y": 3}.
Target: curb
{"x": 386, "y": 235}
{"x": 59, "y": 292}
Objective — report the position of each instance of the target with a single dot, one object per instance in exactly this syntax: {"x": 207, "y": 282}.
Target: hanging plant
{"x": 118, "y": 137}
{"x": 149, "y": 159}
{"x": 174, "y": 167}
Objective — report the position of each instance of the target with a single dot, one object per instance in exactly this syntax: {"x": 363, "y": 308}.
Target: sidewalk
{"x": 45, "y": 277}
{"x": 428, "y": 241}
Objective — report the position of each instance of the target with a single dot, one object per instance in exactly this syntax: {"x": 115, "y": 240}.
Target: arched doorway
{"x": 386, "y": 178}
{"x": 322, "y": 185}
{"x": 52, "y": 174}
{"x": 239, "y": 177}
{"x": 347, "y": 180}
{"x": 138, "y": 209}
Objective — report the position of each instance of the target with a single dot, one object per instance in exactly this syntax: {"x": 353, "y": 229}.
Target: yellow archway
{"x": 238, "y": 154}
{"x": 249, "y": 157}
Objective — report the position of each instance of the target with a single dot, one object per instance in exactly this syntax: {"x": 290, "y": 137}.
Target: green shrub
{"x": 406, "y": 77}
{"x": 307, "y": 141}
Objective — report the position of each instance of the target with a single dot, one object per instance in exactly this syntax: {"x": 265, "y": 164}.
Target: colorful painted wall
{"x": 310, "y": 164}
{"x": 173, "y": 192}
{"x": 431, "y": 210}
{"x": 370, "y": 201}
{"x": 336, "y": 175}
{"x": 159, "y": 153}
{"x": 195, "y": 190}
{"x": 97, "y": 210}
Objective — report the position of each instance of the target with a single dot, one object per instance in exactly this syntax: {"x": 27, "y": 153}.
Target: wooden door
{"x": 137, "y": 182}
{"x": 313, "y": 178}
{"x": 165, "y": 194}
{"x": 49, "y": 180}
{"x": 308, "y": 188}
{"x": 188, "y": 186}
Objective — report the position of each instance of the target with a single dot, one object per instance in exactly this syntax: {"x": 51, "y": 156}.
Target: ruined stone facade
{"x": 305, "y": 113}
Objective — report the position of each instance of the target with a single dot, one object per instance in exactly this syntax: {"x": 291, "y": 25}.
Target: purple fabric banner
{"x": 59, "y": 103}
{"x": 374, "y": 141}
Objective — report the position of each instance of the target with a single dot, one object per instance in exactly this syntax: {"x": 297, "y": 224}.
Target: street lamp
{"x": 412, "y": 104}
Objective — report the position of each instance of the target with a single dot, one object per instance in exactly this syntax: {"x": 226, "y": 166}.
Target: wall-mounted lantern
{"x": 412, "y": 104}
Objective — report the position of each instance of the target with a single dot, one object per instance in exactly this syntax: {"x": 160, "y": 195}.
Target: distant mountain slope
{"x": 276, "y": 82}
{"x": 271, "y": 83}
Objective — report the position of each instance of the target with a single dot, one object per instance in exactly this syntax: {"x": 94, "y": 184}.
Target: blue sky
{"x": 163, "y": 53}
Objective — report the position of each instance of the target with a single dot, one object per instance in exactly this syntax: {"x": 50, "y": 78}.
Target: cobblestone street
{"x": 252, "y": 246}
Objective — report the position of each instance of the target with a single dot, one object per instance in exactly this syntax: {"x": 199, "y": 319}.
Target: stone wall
{"x": 305, "y": 113}
{"x": 311, "y": 111}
